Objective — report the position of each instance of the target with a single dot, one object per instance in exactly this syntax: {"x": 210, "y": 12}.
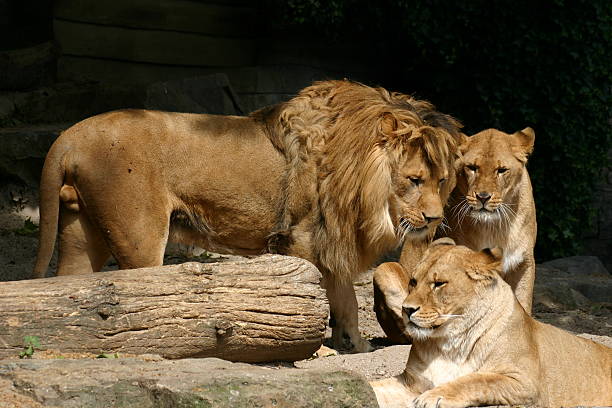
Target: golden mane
{"x": 340, "y": 156}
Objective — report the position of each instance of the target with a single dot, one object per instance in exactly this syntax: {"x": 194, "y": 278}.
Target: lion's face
{"x": 443, "y": 287}
{"x": 419, "y": 193}
{"x": 490, "y": 172}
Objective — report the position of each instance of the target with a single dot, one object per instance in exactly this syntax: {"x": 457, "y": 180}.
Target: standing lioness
{"x": 337, "y": 175}
{"x": 473, "y": 344}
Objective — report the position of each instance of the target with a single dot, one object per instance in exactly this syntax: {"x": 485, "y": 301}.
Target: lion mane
{"x": 338, "y": 152}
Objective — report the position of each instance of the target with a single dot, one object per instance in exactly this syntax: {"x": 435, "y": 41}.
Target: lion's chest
{"x": 442, "y": 370}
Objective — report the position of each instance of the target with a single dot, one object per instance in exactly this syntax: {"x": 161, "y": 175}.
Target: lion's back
{"x": 578, "y": 370}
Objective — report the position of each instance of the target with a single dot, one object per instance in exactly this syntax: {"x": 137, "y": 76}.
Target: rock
{"x": 28, "y": 67}
{"x": 574, "y": 281}
{"x": 381, "y": 363}
{"x": 24, "y": 149}
{"x": 325, "y": 351}
{"x": 66, "y": 102}
{"x": 204, "y": 94}
{"x": 605, "y": 340}
{"x": 180, "y": 383}
{"x": 579, "y": 266}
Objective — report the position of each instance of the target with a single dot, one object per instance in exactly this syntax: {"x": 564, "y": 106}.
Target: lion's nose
{"x": 483, "y": 197}
{"x": 409, "y": 310}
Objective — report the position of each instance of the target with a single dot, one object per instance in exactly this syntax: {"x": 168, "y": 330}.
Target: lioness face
{"x": 490, "y": 173}
{"x": 420, "y": 191}
{"x": 445, "y": 283}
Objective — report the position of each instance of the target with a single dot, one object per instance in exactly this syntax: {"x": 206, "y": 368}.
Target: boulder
{"x": 580, "y": 266}
{"x": 24, "y": 149}
{"x": 131, "y": 382}
{"x": 27, "y": 68}
{"x": 574, "y": 281}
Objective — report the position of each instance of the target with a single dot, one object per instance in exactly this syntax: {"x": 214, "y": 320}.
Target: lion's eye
{"x": 502, "y": 170}
{"x": 438, "y": 284}
{"x": 472, "y": 167}
{"x": 417, "y": 181}
{"x": 442, "y": 181}
{"x": 412, "y": 282}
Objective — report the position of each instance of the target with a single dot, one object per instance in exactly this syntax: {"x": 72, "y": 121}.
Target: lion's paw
{"x": 356, "y": 344}
{"x": 433, "y": 399}
{"x": 363, "y": 346}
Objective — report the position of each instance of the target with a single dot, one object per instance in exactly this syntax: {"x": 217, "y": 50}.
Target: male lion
{"x": 337, "y": 175}
{"x": 474, "y": 344}
{"x": 491, "y": 206}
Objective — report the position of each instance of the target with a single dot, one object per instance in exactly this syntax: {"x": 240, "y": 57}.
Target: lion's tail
{"x": 51, "y": 182}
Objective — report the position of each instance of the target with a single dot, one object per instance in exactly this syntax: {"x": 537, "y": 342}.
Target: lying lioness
{"x": 473, "y": 344}
{"x": 491, "y": 206}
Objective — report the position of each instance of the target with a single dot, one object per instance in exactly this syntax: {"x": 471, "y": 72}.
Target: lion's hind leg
{"x": 139, "y": 243}
{"x": 82, "y": 248}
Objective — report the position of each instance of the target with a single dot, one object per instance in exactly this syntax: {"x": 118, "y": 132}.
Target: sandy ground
{"x": 18, "y": 246}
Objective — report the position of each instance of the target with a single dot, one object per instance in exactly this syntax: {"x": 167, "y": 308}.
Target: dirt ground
{"x": 18, "y": 244}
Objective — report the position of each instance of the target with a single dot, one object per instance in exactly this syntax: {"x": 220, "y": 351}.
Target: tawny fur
{"x": 328, "y": 176}
{"x": 474, "y": 344}
{"x": 506, "y": 220}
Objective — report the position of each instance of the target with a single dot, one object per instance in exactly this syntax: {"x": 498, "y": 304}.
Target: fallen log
{"x": 263, "y": 309}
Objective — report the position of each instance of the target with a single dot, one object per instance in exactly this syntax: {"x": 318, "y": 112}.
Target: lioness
{"x": 474, "y": 344}
{"x": 491, "y": 206}
{"x": 337, "y": 175}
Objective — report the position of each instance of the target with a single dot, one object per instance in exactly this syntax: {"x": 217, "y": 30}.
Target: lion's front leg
{"x": 344, "y": 317}
{"x": 521, "y": 278}
{"x": 474, "y": 390}
{"x": 390, "y": 283}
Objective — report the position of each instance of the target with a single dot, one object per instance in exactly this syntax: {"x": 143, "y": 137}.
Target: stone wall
{"x": 113, "y": 42}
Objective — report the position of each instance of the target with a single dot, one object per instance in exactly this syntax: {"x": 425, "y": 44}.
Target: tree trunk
{"x": 262, "y": 309}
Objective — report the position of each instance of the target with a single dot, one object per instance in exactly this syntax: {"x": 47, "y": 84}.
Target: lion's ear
{"x": 464, "y": 142}
{"x": 388, "y": 126}
{"x": 523, "y": 146}
{"x": 489, "y": 265}
{"x": 443, "y": 241}
{"x": 495, "y": 254}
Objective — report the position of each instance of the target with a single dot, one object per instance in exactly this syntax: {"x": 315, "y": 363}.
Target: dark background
{"x": 503, "y": 64}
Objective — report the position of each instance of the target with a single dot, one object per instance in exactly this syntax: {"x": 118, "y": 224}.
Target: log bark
{"x": 263, "y": 309}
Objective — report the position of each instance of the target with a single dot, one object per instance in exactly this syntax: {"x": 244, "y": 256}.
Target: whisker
{"x": 444, "y": 225}
{"x": 451, "y": 315}
{"x": 465, "y": 209}
{"x": 458, "y": 206}
{"x": 403, "y": 228}
{"x": 507, "y": 213}
{"x": 500, "y": 216}
{"x": 507, "y": 207}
